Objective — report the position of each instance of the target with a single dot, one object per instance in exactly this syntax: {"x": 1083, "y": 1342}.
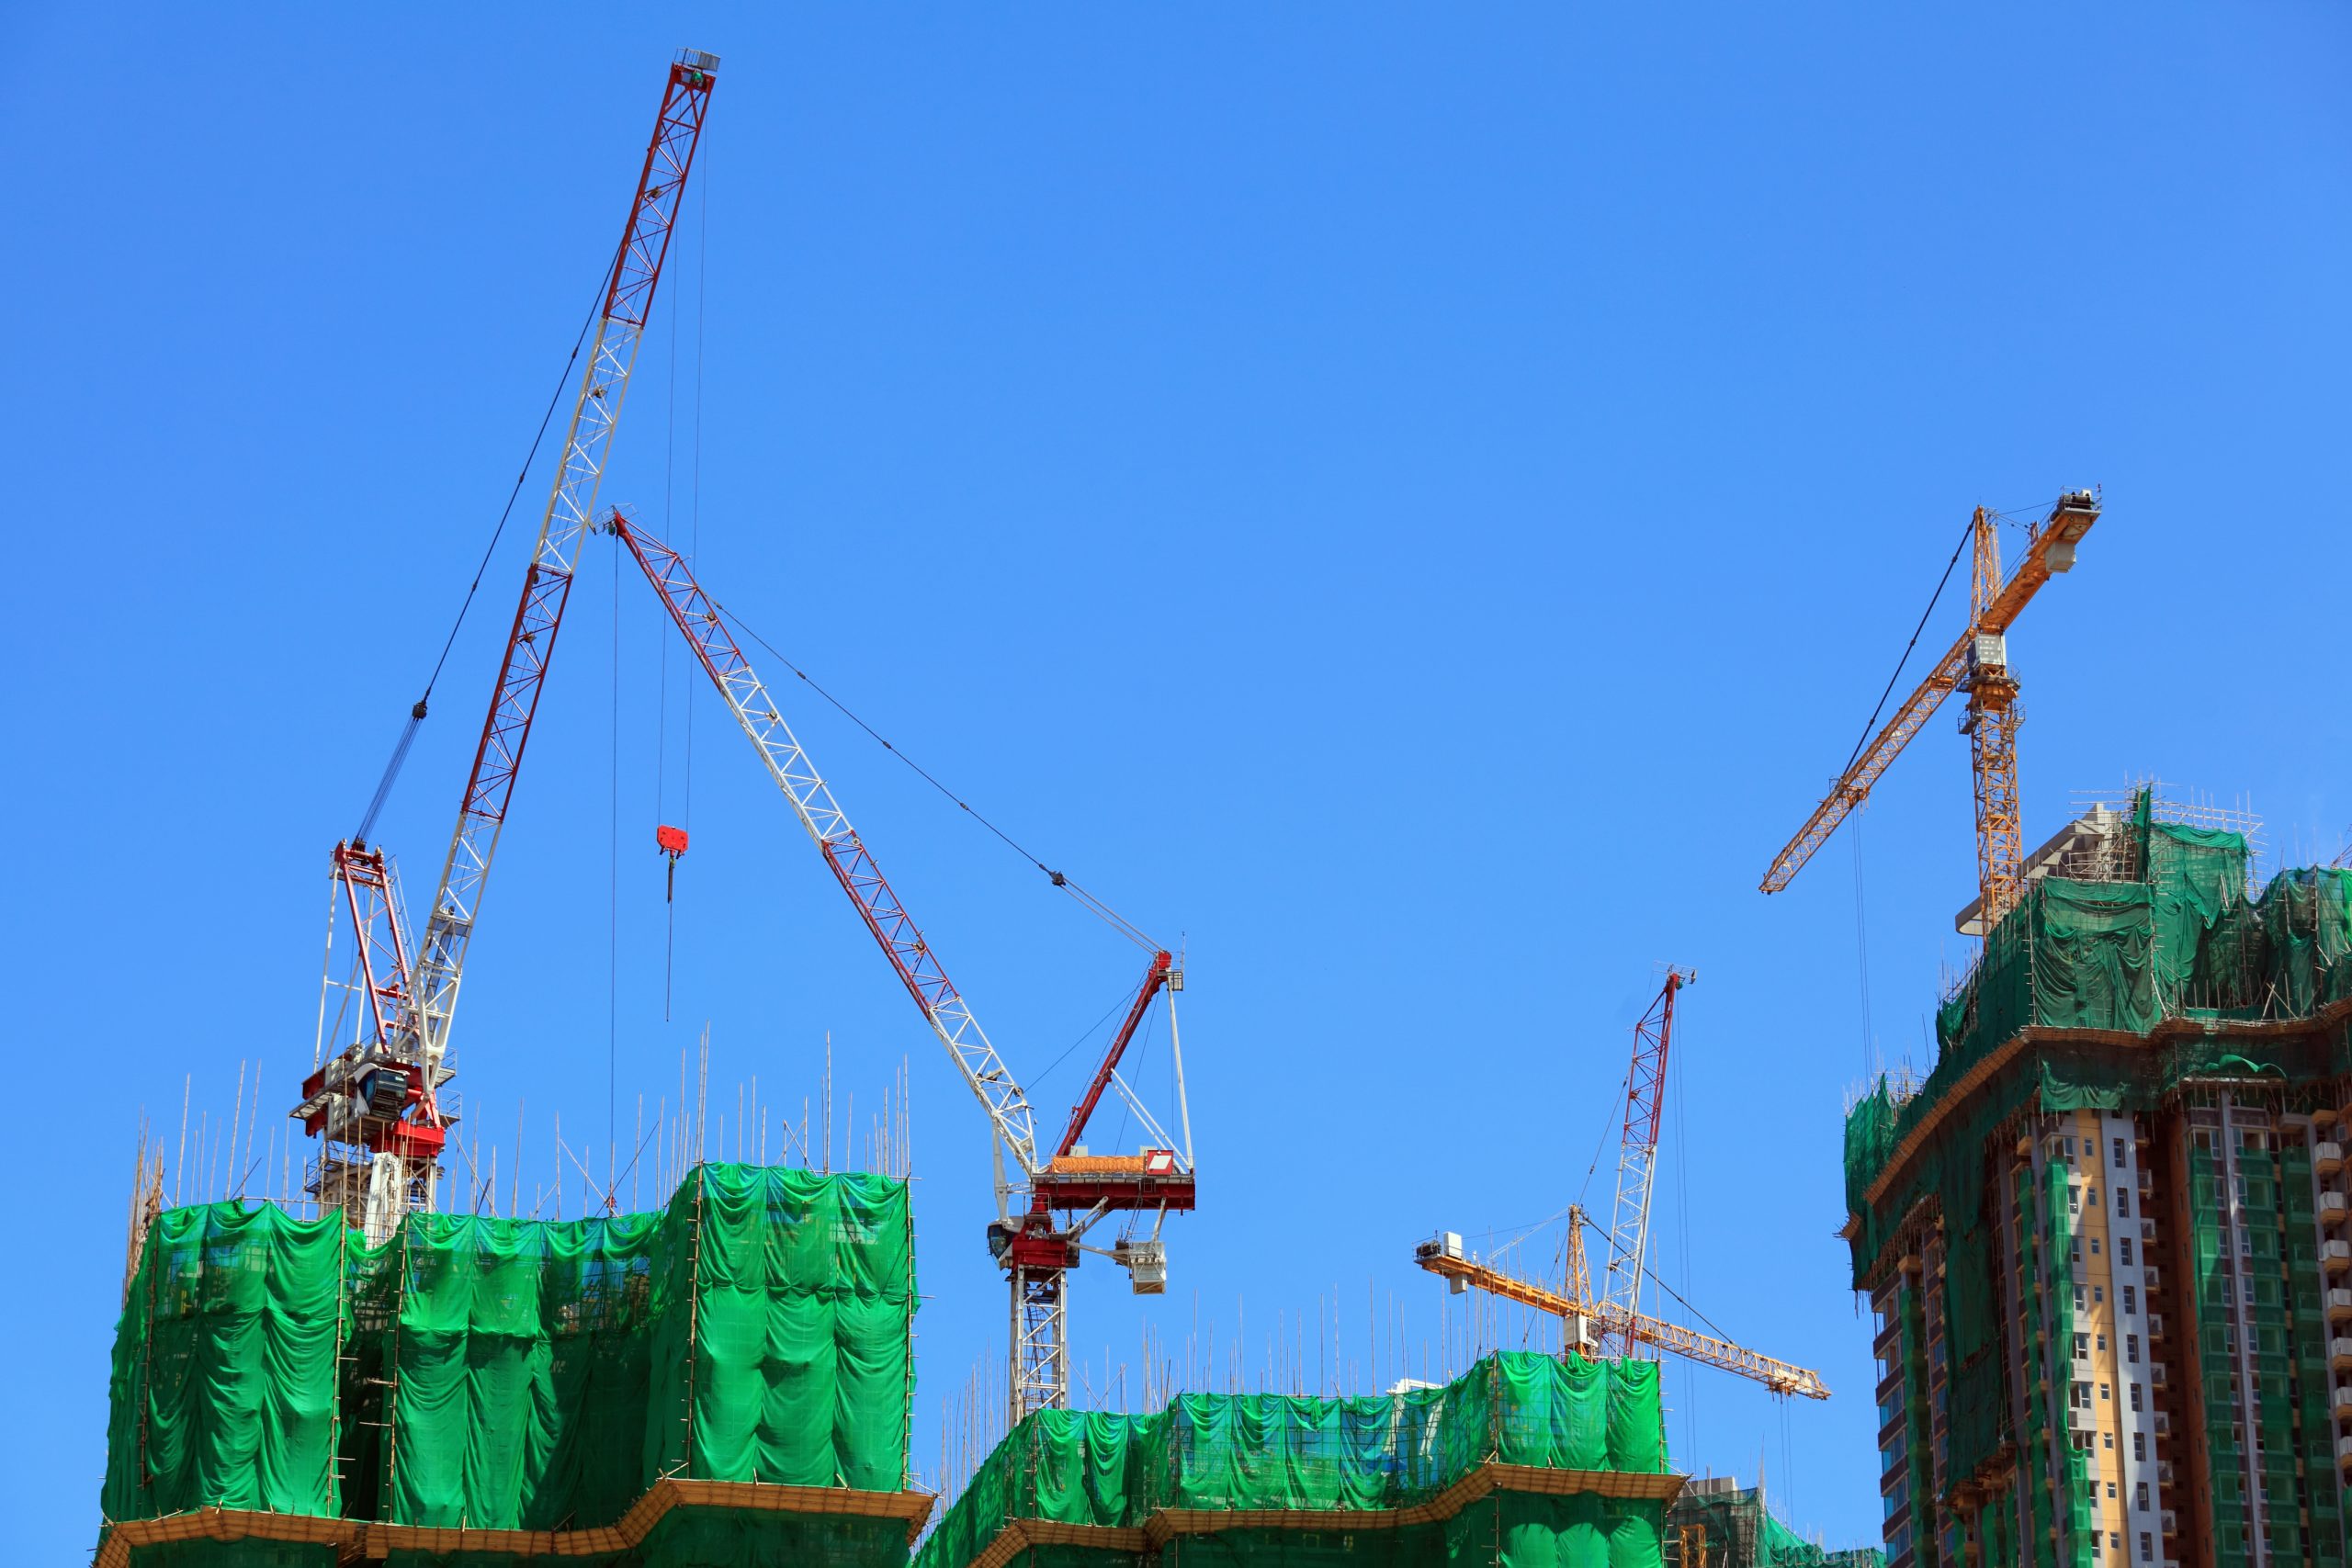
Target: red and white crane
{"x": 377, "y": 1101}
{"x": 1629, "y": 1221}
{"x": 1044, "y": 1213}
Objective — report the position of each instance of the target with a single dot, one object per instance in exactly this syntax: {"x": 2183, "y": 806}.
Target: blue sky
{"x": 1415, "y": 501}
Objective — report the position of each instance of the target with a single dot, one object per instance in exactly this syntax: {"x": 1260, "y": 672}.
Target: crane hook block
{"x": 670, "y": 841}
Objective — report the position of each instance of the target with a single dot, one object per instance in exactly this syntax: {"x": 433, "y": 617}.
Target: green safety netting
{"x": 517, "y": 1374}
{"x": 1229, "y": 1453}
{"x": 223, "y": 1377}
{"x": 1741, "y": 1531}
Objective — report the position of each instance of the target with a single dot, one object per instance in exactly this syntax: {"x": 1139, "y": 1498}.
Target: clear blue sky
{"x": 1417, "y": 500}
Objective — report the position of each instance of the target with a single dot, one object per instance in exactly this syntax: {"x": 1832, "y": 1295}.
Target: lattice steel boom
{"x": 1629, "y": 1227}
{"x": 547, "y": 584}
{"x": 845, "y": 854}
{"x": 1780, "y": 1377}
{"x": 1035, "y": 1249}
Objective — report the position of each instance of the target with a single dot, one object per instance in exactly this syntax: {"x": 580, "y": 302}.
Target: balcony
{"x": 2080, "y": 1419}
{"x": 2155, "y": 1277}
{"x": 2164, "y": 1473}
{"x": 2344, "y": 1451}
{"x": 2327, "y": 1158}
{"x": 2157, "y": 1374}
{"x": 2163, "y": 1424}
{"x": 2339, "y": 1355}
{"x": 2339, "y": 1304}
{"x": 2168, "y": 1521}
{"x": 2330, "y": 1209}
{"x": 2336, "y": 1255}
{"x": 2155, "y": 1325}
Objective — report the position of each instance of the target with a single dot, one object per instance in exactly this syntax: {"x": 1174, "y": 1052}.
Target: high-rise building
{"x": 2105, "y": 1240}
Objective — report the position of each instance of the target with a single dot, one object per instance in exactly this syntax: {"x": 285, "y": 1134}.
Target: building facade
{"x": 2106, "y": 1241}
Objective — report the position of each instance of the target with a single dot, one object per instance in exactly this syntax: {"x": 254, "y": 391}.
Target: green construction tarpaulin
{"x": 1238, "y": 1452}
{"x": 514, "y": 1374}
{"x": 223, "y": 1379}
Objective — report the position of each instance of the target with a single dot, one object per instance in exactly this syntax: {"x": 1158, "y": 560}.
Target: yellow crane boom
{"x": 1442, "y": 1256}
{"x": 1977, "y": 664}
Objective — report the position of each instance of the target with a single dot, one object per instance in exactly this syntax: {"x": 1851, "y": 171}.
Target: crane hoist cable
{"x": 417, "y": 710}
{"x": 1086, "y": 900}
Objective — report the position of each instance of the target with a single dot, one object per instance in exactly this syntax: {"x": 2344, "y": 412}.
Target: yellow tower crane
{"x": 1978, "y": 664}
{"x": 1618, "y": 1313}
{"x": 1589, "y": 1322}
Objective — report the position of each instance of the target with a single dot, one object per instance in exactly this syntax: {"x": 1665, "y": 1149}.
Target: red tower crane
{"x": 1044, "y": 1215}
{"x": 376, "y": 1102}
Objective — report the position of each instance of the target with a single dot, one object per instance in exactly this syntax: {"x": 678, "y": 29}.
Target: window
{"x": 2119, "y": 1154}
{"x": 2080, "y": 1396}
{"x": 2111, "y": 1489}
{"x": 2123, "y": 1201}
{"x": 2140, "y": 1446}
{"x": 2246, "y": 1280}
{"x": 2114, "y": 1537}
{"x": 2123, "y": 1248}
{"x": 2099, "y": 1292}
{"x": 2135, "y": 1396}
{"x": 2075, "y": 1252}
{"x": 2140, "y": 1498}
{"x": 2102, "y": 1344}
{"x": 2082, "y": 1347}
{"x": 2108, "y": 1438}
{"x": 2074, "y": 1198}
{"x": 2102, "y": 1390}
{"x": 2147, "y": 1550}
{"x": 2093, "y": 1247}
{"x": 2132, "y": 1348}
{"x": 2078, "y": 1299}
{"x": 2130, "y": 1297}
{"x": 2094, "y": 1197}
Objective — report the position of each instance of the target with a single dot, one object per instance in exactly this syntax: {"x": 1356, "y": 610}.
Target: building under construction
{"x": 725, "y": 1381}
{"x": 2105, "y": 1240}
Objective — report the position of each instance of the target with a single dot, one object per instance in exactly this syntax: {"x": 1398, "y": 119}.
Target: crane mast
{"x": 408, "y": 1056}
{"x": 1035, "y": 1251}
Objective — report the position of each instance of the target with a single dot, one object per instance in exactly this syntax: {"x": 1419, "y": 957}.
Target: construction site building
{"x": 1720, "y": 1524}
{"x": 1525, "y": 1460}
{"x": 724, "y": 1384}
{"x": 2106, "y": 1241}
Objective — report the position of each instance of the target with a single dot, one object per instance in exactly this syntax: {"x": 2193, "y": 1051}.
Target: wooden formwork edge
{"x": 359, "y": 1540}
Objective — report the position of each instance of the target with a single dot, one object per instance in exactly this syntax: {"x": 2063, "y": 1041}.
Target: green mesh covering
{"x": 518, "y": 1374}
{"x": 1232, "y": 1452}
{"x": 223, "y": 1377}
